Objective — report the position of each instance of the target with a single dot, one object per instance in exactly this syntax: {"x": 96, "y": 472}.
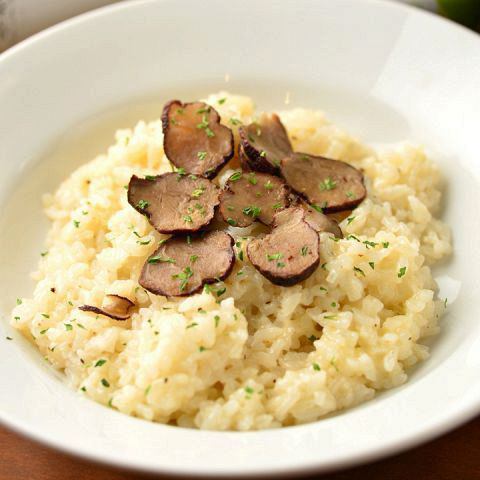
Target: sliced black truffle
{"x": 321, "y": 222}
{"x": 114, "y": 306}
{"x": 252, "y": 196}
{"x": 194, "y": 139}
{"x": 290, "y": 252}
{"x": 328, "y": 184}
{"x": 183, "y": 265}
{"x": 265, "y": 143}
{"x": 173, "y": 202}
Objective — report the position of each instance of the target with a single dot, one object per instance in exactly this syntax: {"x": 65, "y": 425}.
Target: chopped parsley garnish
{"x": 316, "y": 367}
{"x": 445, "y": 302}
{"x": 235, "y": 121}
{"x": 19, "y": 301}
{"x": 68, "y": 326}
{"x": 230, "y": 208}
{"x": 304, "y": 251}
{"x": 280, "y": 264}
{"x": 240, "y": 272}
{"x": 318, "y": 208}
{"x": 147, "y": 390}
{"x": 187, "y": 219}
{"x": 100, "y": 362}
{"x": 235, "y": 176}
{"x": 385, "y": 244}
{"x": 42, "y": 254}
{"x": 198, "y": 192}
{"x": 142, "y": 204}
{"x": 323, "y": 289}
{"x": 402, "y": 272}
{"x": 201, "y": 348}
{"x": 44, "y": 331}
{"x": 180, "y": 172}
{"x": 252, "y": 179}
{"x": 150, "y": 177}
{"x": 353, "y": 237}
{"x": 180, "y": 111}
{"x": 328, "y": 184}
{"x": 249, "y": 390}
{"x": 250, "y": 138}
{"x": 45, "y": 315}
{"x": 221, "y": 101}
{"x": 333, "y": 304}
{"x": 221, "y": 291}
{"x": 184, "y": 276}
{"x": 312, "y": 338}
{"x": 76, "y": 223}
{"x": 370, "y": 244}
{"x": 350, "y": 195}
{"x": 359, "y": 270}
{"x": 252, "y": 211}
{"x": 240, "y": 255}
{"x": 268, "y": 185}
{"x": 204, "y": 123}
{"x": 263, "y": 153}
{"x": 201, "y": 155}
{"x": 143, "y": 242}
{"x": 105, "y": 382}
{"x": 83, "y": 389}
{"x": 372, "y": 265}
{"x": 323, "y": 266}
{"x": 350, "y": 220}
{"x": 193, "y": 258}
{"x": 158, "y": 259}
{"x": 274, "y": 256}
{"x": 194, "y": 324}
{"x": 217, "y": 320}
{"x": 276, "y": 206}
{"x": 231, "y": 222}
{"x": 9, "y": 338}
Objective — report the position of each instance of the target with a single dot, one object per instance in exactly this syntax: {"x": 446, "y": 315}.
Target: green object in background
{"x": 462, "y": 11}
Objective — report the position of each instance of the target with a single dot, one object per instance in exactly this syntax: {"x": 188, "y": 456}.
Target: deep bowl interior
{"x": 385, "y": 73}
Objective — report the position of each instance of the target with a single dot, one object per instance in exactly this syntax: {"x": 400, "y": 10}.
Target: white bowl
{"x": 384, "y": 72}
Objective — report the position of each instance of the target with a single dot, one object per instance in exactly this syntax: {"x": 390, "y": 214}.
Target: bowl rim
{"x": 455, "y": 416}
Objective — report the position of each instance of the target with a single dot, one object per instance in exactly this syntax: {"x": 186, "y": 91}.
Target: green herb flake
{"x": 274, "y": 256}
{"x": 350, "y": 220}
{"x": 105, "y": 382}
{"x": 316, "y": 367}
{"x": 45, "y": 315}
{"x": 359, "y": 270}
{"x": 323, "y": 266}
{"x": 8, "y": 338}
{"x": 353, "y": 237}
{"x": 304, "y": 251}
{"x": 370, "y": 244}
{"x": 280, "y": 264}
{"x": 252, "y": 178}
{"x": 183, "y": 277}
{"x": 328, "y": 184}
{"x": 235, "y": 121}
{"x": 217, "y": 320}
{"x": 372, "y": 265}
{"x": 323, "y": 289}
{"x": 44, "y": 331}
{"x": 221, "y": 291}
{"x": 201, "y": 155}
{"x": 100, "y": 362}
{"x": 19, "y": 301}
{"x": 268, "y": 185}
{"x": 151, "y": 178}
{"x": 68, "y": 326}
{"x": 252, "y": 211}
{"x": 231, "y": 221}
{"x": 142, "y": 204}
{"x": 158, "y": 259}
{"x": 76, "y": 223}
{"x": 276, "y": 206}
{"x": 193, "y": 324}
{"x": 318, "y": 208}
{"x": 249, "y": 390}
{"x": 312, "y": 338}
{"x": 240, "y": 255}
{"x": 263, "y": 153}
{"x": 230, "y": 208}
{"x": 147, "y": 390}
{"x": 187, "y": 219}
{"x": 333, "y": 304}
{"x": 250, "y": 138}
{"x": 445, "y": 302}
{"x": 385, "y": 244}
{"x": 221, "y": 101}
{"x": 43, "y": 254}
{"x": 193, "y": 258}
{"x": 201, "y": 348}
{"x": 402, "y": 272}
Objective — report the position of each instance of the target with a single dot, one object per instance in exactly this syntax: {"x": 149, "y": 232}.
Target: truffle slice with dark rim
{"x": 113, "y": 306}
{"x": 252, "y": 196}
{"x": 173, "y": 202}
{"x": 194, "y": 139}
{"x": 329, "y": 184}
{"x": 290, "y": 253}
{"x": 265, "y": 143}
{"x": 183, "y": 265}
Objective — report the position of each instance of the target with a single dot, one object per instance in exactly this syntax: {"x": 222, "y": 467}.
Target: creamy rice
{"x": 258, "y": 355}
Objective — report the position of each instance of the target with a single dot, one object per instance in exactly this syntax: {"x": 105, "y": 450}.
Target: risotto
{"x": 244, "y": 354}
